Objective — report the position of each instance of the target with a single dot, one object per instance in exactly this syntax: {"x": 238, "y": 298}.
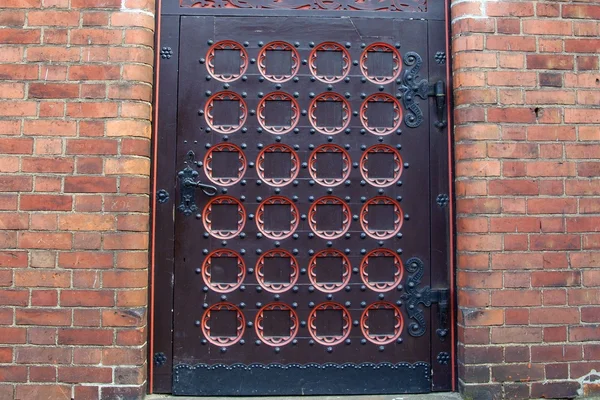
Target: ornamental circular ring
{"x": 329, "y": 340}
{"x": 385, "y": 286}
{"x": 223, "y": 341}
{"x": 381, "y": 98}
{"x": 334, "y": 98}
{"x": 276, "y": 341}
{"x": 208, "y": 165}
{"x": 225, "y": 95}
{"x": 223, "y": 233}
{"x": 226, "y": 45}
{"x": 329, "y": 46}
{"x": 382, "y": 338}
{"x": 381, "y": 149}
{"x": 329, "y": 287}
{"x": 324, "y": 233}
{"x": 262, "y": 118}
{"x": 381, "y": 234}
{"x": 381, "y": 47}
{"x": 278, "y": 46}
{"x": 278, "y": 148}
{"x": 277, "y": 234}
{"x": 220, "y": 287}
{"x": 277, "y": 287}
{"x": 313, "y": 164}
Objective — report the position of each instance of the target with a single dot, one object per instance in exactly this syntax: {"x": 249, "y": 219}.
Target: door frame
{"x": 160, "y": 314}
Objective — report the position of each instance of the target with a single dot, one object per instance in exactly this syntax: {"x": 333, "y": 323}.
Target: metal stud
{"x": 202, "y": 61}
{"x": 381, "y": 348}
{"x": 261, "y": 79}
{"x": 296, "y": 79}
{"x": 355, "y": 62}
{"x": 257, "y": 342}
{"x": 278, "y": 86}
{"x": 347, "y": 79}
{"x": 330, "y": 349}
{"x": 197, "y": 323}
{"x": 205, "y": 289}
{"x": 252, "y": 60}
{"x": 311, "y": 44}
{"x": 250, "y": 271}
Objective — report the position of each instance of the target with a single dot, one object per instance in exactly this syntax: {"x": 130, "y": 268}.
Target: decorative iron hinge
{"x": 425, "y": 296}
{"x": 188, "y": 184}
{"x": 411, "y": 87}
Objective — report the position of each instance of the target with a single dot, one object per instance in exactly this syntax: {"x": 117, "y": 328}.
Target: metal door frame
{"x": 160, "y": 315}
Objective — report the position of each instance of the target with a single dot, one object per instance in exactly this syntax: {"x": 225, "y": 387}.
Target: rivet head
{"x": 197, "y": 323}
{"x": 329, "y": 349}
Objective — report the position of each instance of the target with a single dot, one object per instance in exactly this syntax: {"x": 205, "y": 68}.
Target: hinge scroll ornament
{"x": 412, "y": 87}
{"x": 414, "y": 297}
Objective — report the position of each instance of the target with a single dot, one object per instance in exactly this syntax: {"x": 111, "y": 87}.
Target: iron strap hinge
{"x": 438, "y": 90}
{"x": 442, "y": 298}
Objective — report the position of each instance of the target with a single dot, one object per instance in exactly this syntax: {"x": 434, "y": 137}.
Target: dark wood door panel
{"x": 308, "y": 272}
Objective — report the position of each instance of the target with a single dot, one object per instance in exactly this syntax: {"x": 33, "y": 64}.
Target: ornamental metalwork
{"x": 276, "y": 341}
{"x": 398, "y": 217}
{"x": 329, "y": 46}
{"x": 396, "y": 118}
{"x": 207, "y": 217}
{"x": 278, "y": 96}
{"x": 294, "y": 164}
{"x": 208, "y": 164}
{"x": 329, "y": 340}
{"x": 278, "y": 46}
{"x": 338, "y": 5}
{"x": 277, "y": 234}
{"x": 313, "y": 165}
{"x": 225, "y": 96}
{"x": 382, "y": 338}
{"x": 379, "y": 286}
{"x": 330, "y": 287}
{"x": 226, "y": 45}
{"x": 397, "y": 165}
{"x": 329, "y": 97}
{"x": 207, "y": 272}
{"x": 325, "y": 233}
{"x": 223, "y": 341}
{"x": 277, "y": 287}
{"x": 381, "y": 47}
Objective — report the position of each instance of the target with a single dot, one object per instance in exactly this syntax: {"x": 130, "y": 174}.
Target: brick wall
{"x": 527, "y": 96}
{"x": 75, "y": 92}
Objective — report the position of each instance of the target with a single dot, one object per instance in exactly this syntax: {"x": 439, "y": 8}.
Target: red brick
{"x": 42, "y": 240}
{"x": 43, "y": 355}
{"x": 89, "y": 184}
{"x": 53, "y": 90}
{"x": 581, "y": 11}
{"x": 85, "y": 374}
{"x": 86, "y": 298}
{"x": 39, "y": 202}
{"x": 42, "y": 278}
{"x": 516, "y": 298}
{"x": 584, "y": 333}
{"x": 99, "y": 337}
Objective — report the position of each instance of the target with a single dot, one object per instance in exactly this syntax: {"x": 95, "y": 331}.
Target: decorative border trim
{"x": 301, "y": 379}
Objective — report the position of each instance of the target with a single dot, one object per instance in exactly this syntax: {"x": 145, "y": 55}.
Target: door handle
{"x": 188, "y": 185}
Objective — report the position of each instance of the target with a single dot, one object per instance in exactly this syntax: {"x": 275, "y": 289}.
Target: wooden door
{"x": 307, "y": 211}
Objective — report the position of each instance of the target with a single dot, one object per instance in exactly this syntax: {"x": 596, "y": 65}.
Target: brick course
{"x": 75, "y": 104}
{"x": 527, "y": 118}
